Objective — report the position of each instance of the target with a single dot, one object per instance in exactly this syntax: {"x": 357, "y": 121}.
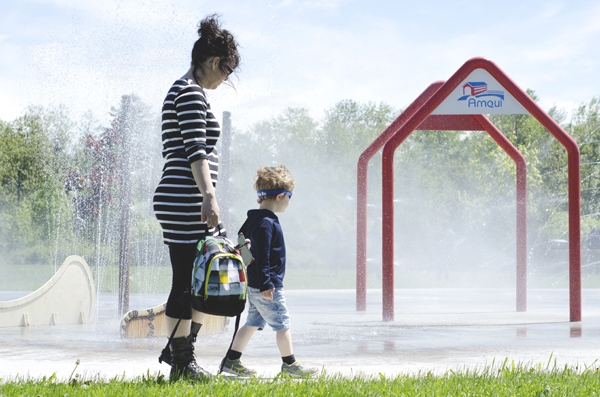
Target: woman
{"x": 185, "y": 202}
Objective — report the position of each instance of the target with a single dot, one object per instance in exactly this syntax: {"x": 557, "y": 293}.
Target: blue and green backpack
{"x": 219, "y": 280}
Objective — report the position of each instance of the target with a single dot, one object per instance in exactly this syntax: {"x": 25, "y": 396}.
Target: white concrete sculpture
{"x": 69, "y": 297}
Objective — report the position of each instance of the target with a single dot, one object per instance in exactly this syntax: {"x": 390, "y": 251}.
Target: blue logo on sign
{"x": 474, "y": 92}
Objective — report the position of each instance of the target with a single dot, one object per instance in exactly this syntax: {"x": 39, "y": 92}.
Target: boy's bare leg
{"x": 284, "y": 342}
{"x": 242, "y": 338}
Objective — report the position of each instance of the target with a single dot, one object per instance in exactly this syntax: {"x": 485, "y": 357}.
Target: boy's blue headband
{"x": 262, "y": 194}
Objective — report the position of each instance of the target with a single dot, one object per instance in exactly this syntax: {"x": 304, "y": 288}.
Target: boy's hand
{"x": 268, "y": 294}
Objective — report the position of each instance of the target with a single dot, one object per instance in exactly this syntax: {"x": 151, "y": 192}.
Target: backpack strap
{"x": 237, "y": 325}
{"x": 221, "y": 229}
{"x": 165, "y": 355}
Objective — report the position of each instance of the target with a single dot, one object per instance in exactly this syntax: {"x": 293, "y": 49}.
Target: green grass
{"x": 24, "y": 277}
{"x": 507, "y": 379}
{"x": 157, "y": 279}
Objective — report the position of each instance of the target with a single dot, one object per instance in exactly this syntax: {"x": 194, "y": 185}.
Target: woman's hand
{"x": 210, "y": 211}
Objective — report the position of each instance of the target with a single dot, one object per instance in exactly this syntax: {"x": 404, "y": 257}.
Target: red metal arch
{"x": 362, "y": 187}
{"x": 446, "y": 122}
{"x": 473, "y": 123}
{"x": 418, "y": 117}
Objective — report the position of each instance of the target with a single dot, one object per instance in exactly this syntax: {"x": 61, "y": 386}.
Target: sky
{"x": 295, "y": 53}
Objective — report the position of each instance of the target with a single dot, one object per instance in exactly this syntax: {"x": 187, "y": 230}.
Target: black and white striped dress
{"x": 189, "y": 133}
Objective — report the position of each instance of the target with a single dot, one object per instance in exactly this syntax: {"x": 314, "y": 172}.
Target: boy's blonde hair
{"x": 273, "y": 178}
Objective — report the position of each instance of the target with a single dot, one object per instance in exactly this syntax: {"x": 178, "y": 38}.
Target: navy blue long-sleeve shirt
{"x": 268, "y": 249}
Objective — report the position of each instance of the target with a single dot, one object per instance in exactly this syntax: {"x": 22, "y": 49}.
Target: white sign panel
{"x": 480, "y": 93}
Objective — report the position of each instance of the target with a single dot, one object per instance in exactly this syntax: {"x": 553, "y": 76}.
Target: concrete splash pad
{"x": 435, "y": 330}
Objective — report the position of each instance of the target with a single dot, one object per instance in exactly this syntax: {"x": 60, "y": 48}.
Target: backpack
{"x": 218, "y": 278}
{"x": 218, "y": 284}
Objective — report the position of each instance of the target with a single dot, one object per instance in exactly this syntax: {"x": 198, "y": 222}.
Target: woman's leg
{"x": 183, "y": 359}
{"x": 197, "y": 320}
{"x": 198, "y": 317}
{"x": 178, "y": 304}
{"x": 182, "y": 261}
{"x": 183, "y": 329}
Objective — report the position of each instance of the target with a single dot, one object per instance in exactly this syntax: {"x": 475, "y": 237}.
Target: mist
{"x": 455, "y": 201}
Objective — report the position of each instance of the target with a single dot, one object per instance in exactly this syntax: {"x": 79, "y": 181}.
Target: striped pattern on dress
{"x": 189, "y": 133}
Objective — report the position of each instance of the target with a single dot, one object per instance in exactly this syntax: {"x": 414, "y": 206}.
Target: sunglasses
{"x": 228, "y": 69}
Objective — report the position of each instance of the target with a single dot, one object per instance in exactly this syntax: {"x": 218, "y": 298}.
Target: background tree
{"x": 61, "y": 186}
{"x": 33, "y": 152}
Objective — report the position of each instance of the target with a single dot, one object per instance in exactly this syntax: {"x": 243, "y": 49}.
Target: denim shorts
{"x": 263, "y": 311}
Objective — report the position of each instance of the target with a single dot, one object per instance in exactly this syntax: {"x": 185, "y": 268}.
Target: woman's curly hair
{"x": 215, "y": 42}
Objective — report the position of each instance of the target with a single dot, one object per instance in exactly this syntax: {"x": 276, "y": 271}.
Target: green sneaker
{"x": 235, "y": 367}
{"x": 296, "y": 370}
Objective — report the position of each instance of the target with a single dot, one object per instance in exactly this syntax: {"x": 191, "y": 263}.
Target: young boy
{"x": 274, "y": 186}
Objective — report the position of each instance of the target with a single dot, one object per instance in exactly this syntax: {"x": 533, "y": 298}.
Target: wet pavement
{"x": 434, "y": 330}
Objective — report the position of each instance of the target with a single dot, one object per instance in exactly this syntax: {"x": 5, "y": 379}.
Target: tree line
{"x": 62, "y": 181}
